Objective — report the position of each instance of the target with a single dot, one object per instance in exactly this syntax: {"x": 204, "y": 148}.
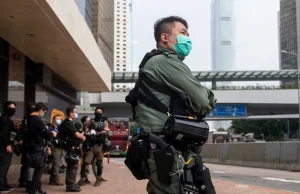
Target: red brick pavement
{"x": 120, "y": 181}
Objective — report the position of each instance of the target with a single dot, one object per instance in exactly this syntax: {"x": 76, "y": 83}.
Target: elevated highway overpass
{"x": 278, "y": 103}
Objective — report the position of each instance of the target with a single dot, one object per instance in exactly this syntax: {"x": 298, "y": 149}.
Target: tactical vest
{"x": 179, "y": 102}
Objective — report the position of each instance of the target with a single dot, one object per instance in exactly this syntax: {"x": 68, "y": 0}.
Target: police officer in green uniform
{"x": 96, "y": 134}
{"x": 168, "y": 69}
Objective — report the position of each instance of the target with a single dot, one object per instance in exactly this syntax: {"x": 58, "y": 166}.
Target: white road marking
{"x": 219, "y": 172}
{"x": 242, "y": 186}
{"x": 281, "y": 180}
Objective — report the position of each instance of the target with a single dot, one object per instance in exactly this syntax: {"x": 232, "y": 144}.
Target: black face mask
{"x": 98, "y": 116}
{"x": 9, "y": 111}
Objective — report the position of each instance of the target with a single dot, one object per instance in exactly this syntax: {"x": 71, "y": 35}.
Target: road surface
{"x": 275, "y": 179}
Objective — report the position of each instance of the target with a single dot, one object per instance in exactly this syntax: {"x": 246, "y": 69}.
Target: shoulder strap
{"x": 151, "y": 100}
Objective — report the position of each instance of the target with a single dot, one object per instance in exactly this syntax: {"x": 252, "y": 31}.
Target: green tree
{"x": 220, "y": 129}
{"x": 271, "y": 129}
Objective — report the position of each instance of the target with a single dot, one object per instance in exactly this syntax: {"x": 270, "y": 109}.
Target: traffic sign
{"x": 229, "y": 110}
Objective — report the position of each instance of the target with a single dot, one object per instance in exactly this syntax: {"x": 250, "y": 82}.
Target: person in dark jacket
{"x": 38, "y": 137}
{"x": 7, "y": 137}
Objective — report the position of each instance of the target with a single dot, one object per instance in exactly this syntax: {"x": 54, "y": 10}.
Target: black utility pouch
{"x": 136, "y": 160}
{"x": 164, "y": 163}
{"x": 203, "y": 178}
{"x": 184, "y": 128}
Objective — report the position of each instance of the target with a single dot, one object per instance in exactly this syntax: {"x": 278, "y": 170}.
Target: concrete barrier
{"x": 275, "y": 155}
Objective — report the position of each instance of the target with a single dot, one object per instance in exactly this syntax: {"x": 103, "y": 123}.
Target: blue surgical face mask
{"x": 58, "y": 122}
{"x": 183, "y": 46}
{"x": 76, "y": 115}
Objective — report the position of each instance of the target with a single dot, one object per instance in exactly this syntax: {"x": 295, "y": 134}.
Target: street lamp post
{"x": 298, "y": 81}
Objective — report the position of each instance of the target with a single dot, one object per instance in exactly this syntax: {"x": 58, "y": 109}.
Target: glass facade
{"x": 288, "y": 37}
{"x": 85, "y": 7}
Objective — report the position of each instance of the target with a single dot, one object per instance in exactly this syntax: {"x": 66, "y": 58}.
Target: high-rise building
{"x": 122, "y": 38}
{"x": 288, "y": 35}
{"x": 223, "y": 35}
{"x": 223, "y": 42}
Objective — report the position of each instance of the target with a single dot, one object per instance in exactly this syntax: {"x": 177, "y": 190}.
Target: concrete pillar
{"x": 213, "y": 85}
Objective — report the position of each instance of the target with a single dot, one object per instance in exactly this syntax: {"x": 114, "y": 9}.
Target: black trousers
{"x": 24, "y": 169}
{"x": 71, "y": 175}
{"x": 37, "y": 162}
{"x": 5, "y": 161}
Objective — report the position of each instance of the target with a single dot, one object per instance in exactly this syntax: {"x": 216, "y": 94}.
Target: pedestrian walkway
{"x": 121, "y": 181}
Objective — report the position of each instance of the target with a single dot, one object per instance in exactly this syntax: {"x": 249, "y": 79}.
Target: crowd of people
{"x": 39, "y": 142}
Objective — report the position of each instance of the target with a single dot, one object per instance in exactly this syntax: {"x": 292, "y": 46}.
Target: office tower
{"x": 223, "y": 35}
{"x": 223, "y": 42}
{"x": 288, "y": 36}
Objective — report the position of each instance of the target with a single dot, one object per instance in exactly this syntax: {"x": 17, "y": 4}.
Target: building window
{"x": 118, "y": 70}
{"x": 118, "y": 35}
{"x": 118, "y": 39}
{"x": 124, "y": 57}
{"x": 124, "y": 48}
{"x": 118, "y": 31}
{"x": 118, "y": 6}
{"x": 118, "y": 52}
{"x": 124, "y": 28}
{"x": 124, "y": 16}
{"x": 118, "y": 48}
{"x": 124, "y": 36}
{"x": 118, "y": 65}
{"x": 124, "y": 53}
{"x": 124, "y": 69}
{"x": 124, "y": 44}
{"x": 118, "y": 15}
{"x": 118, "y": 11}
{"x": 118, "y": 56}
{"x": 124, "y": 65}
{"x": 118, "y": 43}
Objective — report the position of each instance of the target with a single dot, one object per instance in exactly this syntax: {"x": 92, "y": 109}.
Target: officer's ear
{"x": 164, "y": 37}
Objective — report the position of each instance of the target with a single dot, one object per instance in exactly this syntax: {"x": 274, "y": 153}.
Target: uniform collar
{"x": 170, "y": 52}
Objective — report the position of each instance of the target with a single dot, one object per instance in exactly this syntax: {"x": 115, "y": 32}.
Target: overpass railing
{"x": 234, "y": 87}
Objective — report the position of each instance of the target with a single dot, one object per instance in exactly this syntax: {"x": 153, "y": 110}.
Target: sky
{"x": 256, "y": 31}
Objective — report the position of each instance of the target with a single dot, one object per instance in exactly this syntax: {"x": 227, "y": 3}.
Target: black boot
{"x": 40, "y": 189}
{"x": 28, "y": 186}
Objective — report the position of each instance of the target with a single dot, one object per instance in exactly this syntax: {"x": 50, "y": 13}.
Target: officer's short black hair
{"x": 83, "y": 119}
{"x": 69, "y": 110}
{"x": 6, "y": 104}
{"x": 98, "y": 108}
{"x": 164, "y": 25}
{"x": 40, "y": 106}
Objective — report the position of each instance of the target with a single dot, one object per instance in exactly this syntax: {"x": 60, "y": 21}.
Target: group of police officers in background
{"x": 39, "y": 142}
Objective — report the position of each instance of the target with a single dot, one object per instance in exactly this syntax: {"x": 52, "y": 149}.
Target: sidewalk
{"x": 121, "y": 181}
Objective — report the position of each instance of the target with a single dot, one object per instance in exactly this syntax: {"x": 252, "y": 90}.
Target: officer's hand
{"x": 84, "y": 138}
{"x": 54, "y": 134}
{"x": 20, "y": 142}
{"x": 49, "y": 152}
{"x": 9, "y": 149}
